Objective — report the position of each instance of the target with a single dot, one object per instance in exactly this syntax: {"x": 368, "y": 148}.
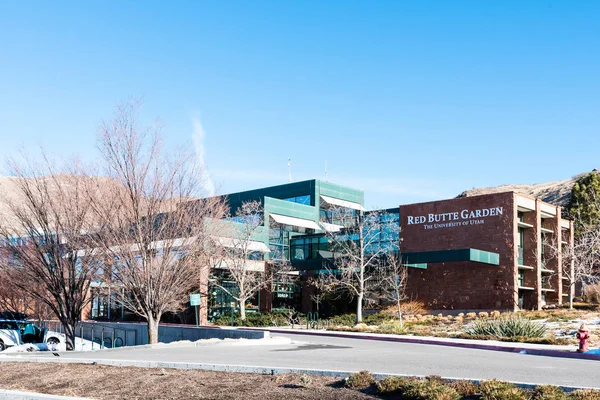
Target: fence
{"x": 101, "y": 335}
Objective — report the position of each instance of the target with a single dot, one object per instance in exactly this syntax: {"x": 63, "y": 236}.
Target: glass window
{"x": 299, "y": 200}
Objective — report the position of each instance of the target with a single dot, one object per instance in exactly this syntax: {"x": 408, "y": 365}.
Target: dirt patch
{"x": 108, "y": 382}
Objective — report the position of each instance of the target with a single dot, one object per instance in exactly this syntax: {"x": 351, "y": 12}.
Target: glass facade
{"x": 307, "y": 248}
{"x": 299, "y": 200}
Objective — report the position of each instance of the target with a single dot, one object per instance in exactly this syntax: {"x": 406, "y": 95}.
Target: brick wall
{"x": 462, "y": 285}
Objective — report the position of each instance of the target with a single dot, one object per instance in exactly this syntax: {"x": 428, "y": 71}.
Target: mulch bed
{"x": 108, "y": 382}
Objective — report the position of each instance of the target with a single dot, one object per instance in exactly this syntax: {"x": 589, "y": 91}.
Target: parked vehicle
{"x": 18, "y": 332}
{"x": 10, "y": 334}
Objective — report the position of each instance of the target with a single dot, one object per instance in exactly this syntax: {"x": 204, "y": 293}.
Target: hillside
{"x": 557, "y": 193}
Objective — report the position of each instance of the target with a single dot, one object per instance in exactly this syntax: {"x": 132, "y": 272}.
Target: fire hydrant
{"x": 583, "y": 336}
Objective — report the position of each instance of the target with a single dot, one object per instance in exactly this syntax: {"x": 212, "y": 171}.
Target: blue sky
{"x": 410, "y": 101}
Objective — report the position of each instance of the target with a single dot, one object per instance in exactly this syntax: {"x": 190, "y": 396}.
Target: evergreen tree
{"x": 584, "y": 206}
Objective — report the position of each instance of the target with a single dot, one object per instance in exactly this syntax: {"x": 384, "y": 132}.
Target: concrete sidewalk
{"x": 494, "y": 345}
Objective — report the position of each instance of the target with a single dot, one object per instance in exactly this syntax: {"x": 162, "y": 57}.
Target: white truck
{"x": 18, "y": 332}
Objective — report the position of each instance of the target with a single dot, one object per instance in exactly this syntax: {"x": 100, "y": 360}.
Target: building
{"x": 489, "y": 252}
{"x": 294, "y": 215}
{"x": 486, "y": 252}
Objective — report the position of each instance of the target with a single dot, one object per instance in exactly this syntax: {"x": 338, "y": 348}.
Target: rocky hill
{"x": 557, "y": 193}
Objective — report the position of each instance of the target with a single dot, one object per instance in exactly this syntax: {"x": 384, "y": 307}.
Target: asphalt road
{"x": 343, "y": 354}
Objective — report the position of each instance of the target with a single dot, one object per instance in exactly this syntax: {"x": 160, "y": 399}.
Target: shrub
{"x": 375, "y": 319}
{"x": 483, "y": 314}
{"x": 548, "y": 392}
{"x": 429, "y": 389}
{"x": 465, "y": 388}
{"x": 392, "y": 384}
{"x": 509, "y": 326}
{"x": 344, "y": 319}
{"x": 253, "y": 319}
{"x": 471, "y": 315}
{"x": 592, "y": 293}
{"x": 305, "y": 380}
{"x": 462, "y": 314}
{"x": 497, "y": 390}
{"x": 413, "y": 308}
{"x": 495, "y": 314}
{"x": 360, "y": 380}
{"x": 392, "y": 327}
{"x": 586, "y": 394}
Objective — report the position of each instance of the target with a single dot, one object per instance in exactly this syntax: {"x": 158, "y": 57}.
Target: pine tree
{"x": 584, "y": 206}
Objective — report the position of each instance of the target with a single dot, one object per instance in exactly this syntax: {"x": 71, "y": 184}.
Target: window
{"x": 521, "y": 244}
{"x": 299, "y": 200}
{"x": 521, "y": 279}
{"x": 308, "y": 248}
{"x": 9, "y": 325}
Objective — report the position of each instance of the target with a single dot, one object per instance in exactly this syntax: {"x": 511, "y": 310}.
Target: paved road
{"x": 343, "y": 354}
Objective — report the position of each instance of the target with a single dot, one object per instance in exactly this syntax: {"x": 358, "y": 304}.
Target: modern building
{"x": 294, "y": 215}
{"x": 489, "y": 252}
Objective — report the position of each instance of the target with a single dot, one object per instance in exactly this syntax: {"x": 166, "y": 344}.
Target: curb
{"x": 20, "y": 395}
{"x": 440, "y": 342}
{"x": 239, "y": 369}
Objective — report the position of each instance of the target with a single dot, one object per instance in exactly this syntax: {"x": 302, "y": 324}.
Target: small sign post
{"x": 195, "y": 301}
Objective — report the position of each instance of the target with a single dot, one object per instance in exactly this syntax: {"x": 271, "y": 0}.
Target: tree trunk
{"x": 359, "y": 302}
{"x": 399, "y": 314}
{"x": 243, "y": 310}
{"x": 570, "y": 298}
{"x": 152, "y": 329}
{"x": 69, "y": 327}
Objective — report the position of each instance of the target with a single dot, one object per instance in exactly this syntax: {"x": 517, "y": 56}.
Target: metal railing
{"x": 99, "y": 334}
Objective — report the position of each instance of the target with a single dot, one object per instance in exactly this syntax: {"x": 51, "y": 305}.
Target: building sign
{"x": 454, "y": 219}
{"x": 195, "y": 299}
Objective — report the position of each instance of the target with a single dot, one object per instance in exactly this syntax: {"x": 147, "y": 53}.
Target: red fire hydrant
{"x": 584, "y": 337}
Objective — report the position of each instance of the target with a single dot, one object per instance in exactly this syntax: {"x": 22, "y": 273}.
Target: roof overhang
{"x": 251, "y": 245}
{"x": 342, "y": 203}
{"x": 439, "y": 256}
{"x": 293, "y": 221}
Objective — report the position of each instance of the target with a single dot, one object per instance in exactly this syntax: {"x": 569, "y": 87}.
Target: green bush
{"x": 392, "y": 384}
{"x": 497, "y": 390}
{"x": 548, "y": 392}
{"x": 586, "y": 394}
{"x": 376, "y": 319}
{"x": 508, "y": 326}
{"x": 254, "y": 319}
{"x": 392, "y": 327}
{"x": 360, "y": 380}
{"x": 344, "y": 319}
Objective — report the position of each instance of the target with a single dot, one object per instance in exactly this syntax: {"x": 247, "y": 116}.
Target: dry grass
{"x": 107, "y": 382}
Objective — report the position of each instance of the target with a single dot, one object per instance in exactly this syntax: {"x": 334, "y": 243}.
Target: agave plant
{"x": 508, "y": 326}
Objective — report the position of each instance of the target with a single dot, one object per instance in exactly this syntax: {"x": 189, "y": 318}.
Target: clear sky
{"x": 408, "y": 100}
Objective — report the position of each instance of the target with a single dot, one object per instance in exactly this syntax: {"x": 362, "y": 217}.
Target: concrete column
{"x": 559, "y": 257}
{"x": 571, "y": 244}
{"x": 537, "y": 238}
{"x": 515, "y": 258}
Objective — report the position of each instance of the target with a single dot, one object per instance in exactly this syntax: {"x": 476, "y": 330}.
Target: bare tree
{"x": 17, "y": 301}
{"x": 49, "y": 222}
{"x": 581, "y": 261}
{"x": 154, "y": 227}
{"x": 358, "y": 248}
{"x": 321, "y": 287}
{"x": 242, "y": 261}
{"x": 393, "y": 280}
